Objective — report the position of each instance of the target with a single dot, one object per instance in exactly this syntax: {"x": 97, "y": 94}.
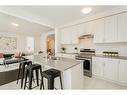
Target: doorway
{"x": 51, "y": 44}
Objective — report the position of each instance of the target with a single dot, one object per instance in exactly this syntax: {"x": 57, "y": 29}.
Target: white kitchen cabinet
{"x": 111, "y": 29}
{"x": 123, "y": 71}
{"x": 89, "y": 27}
{"x": 111, "y": 69}
{"x": 99, "y": 31}
{"x": 69, "y": 35}
{"x": 122, "y": 27}
{"x": 80, "y": 29}
{"x": 97, "y": 66}
{"x": 65, "y": 36}
{"x": 74, "y": 34}
{"x": 105, "y": 67}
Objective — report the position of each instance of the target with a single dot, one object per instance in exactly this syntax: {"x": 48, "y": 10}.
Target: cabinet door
{"x": 123, "y": 71}
{"x": 111, "y": 69}
{"x": 111, "y": 29}
{"x": 99, "y": 31}
{"x": 66, "y": 36}
{"x": 74, "y": 34}
{"x": 89, "y": 27}
{"x": 122, "y": 27}
{"x": 80, "y": 29}
{"x": 97, "y": 66}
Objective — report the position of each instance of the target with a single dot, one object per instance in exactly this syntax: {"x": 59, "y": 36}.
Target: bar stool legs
{"x": 22, "y": 78}
{"x": 42, "y": 84}
{"x": 61, "y": 82}
{"x": 29, "y": 74}
{"x": 37, "y": 77}
{"x": 25, "y": 79}
{"x": 51, "y": 83}
{"x": 19, "y": 73}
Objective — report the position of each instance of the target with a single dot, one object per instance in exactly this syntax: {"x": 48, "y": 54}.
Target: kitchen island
{"x": 71, "y": 70}
{"x": 8, "y": 73}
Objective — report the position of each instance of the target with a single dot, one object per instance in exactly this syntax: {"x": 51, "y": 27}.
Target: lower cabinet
{"x": 105, "y": 67}
{"x": 110, "y": 69}
{"x": 123, "y": 71}
{"x": 97, "y": 66}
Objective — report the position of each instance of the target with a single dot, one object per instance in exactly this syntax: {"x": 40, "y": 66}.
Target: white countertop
{"x": 62, "y": 64}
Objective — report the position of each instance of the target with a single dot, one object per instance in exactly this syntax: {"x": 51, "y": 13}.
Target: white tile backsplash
{"x": 88, "y": 43}
{"x": 118, "y": 47}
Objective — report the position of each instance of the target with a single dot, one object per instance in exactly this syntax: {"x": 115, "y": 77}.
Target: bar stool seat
{"x": 51, "y": 74}
{"x": 29, "y": 73}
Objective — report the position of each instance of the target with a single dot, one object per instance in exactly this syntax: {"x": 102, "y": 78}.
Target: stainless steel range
{"x": 86, "y": 55}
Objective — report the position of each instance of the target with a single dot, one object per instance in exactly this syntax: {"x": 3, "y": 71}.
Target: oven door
{"x": 87, "y": 66}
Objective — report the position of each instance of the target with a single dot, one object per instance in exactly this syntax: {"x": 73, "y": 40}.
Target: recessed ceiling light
{"x": 15, "y": 24}
{"x": 86, "y": 10}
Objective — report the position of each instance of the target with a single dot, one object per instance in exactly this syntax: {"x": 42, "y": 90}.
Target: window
{"x": 30, "y": 44}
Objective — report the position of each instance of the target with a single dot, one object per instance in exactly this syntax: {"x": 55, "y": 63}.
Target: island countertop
{"x": 61, "y": 64}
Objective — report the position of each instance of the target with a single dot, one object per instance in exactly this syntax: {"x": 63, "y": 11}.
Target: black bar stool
{"x": 21, "y": 70}
{"x": 51, "y": 74}
{"x": 29, "y": 73}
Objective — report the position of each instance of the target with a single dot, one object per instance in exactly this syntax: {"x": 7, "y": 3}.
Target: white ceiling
{"x": 53, "y": 15}
{"x": 24, "y": 27}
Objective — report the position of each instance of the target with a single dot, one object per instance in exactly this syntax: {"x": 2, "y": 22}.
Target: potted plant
{"x": 63, "y": 49}
{"x": 76, "y": 50}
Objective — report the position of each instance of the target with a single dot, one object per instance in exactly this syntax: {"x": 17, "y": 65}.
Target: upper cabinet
{"x": 106, "y": 30}
{"x": 115, "y": 29}
{"x": 89, "y": 27}
{"x": 65, "y": 36}
{"x": 122, "y": 27}
{"x": 99, "y": 31}
{"x": 74, "y": 35}
{"x": 110, "y": 29}
{"x": 69, "y": 35}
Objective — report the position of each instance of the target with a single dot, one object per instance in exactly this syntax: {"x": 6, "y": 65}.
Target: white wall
{"x": 119, "y": 47}
{"x": 21, "y": 41}
{"x": 83, "y": 44}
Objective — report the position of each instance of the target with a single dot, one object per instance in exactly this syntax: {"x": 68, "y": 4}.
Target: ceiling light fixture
{"x": 86, "y": 10}
{"x": 15, "y": 24}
